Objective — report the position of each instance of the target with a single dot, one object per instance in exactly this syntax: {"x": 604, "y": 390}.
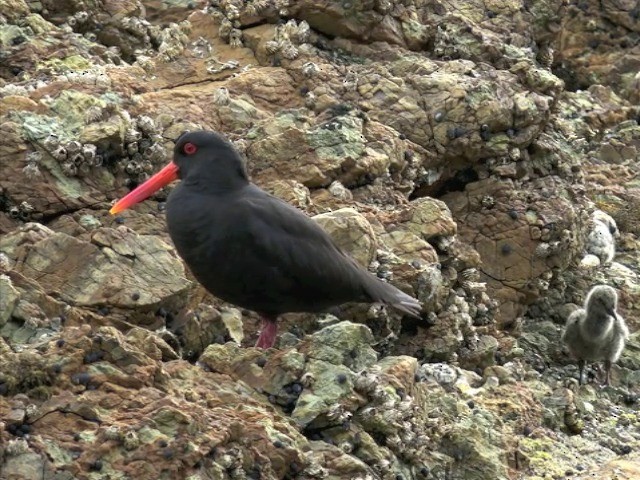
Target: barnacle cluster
{"x": 393, "y": 414}
{"x": 22, "y": 211}
{"x": 287, "y": 38}
{"x": 138, "y": 37}
{"x": 31, "y": 170}
{"x": 171, "y": 40}
{"x": 143, "y": 150}
{"x": 472, "y": 302}
{"x": 233, "y": 10}
{"x": 86, "y": 77}
{"x": 75, "y": 158}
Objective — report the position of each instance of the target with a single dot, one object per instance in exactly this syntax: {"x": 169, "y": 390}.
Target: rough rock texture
{"x": 457, "y": 149}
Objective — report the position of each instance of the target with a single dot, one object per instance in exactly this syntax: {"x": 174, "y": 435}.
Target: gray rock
{"x": 107, "y": 270}
{"x": 352, "y": 233}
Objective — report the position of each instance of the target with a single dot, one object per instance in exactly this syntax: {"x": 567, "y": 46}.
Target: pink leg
{"x": 268, "y": 333}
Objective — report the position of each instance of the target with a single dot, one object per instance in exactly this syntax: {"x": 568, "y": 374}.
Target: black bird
{"x": 250, "y": 248}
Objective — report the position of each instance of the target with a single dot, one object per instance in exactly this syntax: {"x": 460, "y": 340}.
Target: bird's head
{"x": 603, "y": 298}
{"x": 201, "y": 158}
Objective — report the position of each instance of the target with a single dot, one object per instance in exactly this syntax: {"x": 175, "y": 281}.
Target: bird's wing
{"x": 621, "y": 326}
{"x": 304, "y": 255}
{"x": 290, "y": 240}
{"x": 572, "y": 322}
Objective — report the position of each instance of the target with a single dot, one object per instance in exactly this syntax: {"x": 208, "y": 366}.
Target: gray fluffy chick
{"x": 596, "y": 332}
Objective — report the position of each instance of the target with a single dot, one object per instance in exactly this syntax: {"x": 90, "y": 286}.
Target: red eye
{"x": 189, "y": 148}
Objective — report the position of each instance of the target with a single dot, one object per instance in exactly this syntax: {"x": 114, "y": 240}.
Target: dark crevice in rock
{"x": 48, "y": 218}
{"x": 455, "y": 183}
{"x": 259, "y": 23}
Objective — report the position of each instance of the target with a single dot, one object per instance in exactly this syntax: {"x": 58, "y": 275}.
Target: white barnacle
{"x": 307, "y": 380}
{"x": 221, "y": 96}
{"x": 289, "y": 51}
{"x": 34, "y": 157}
{"x": 346, "y": 447}
{"x": 60, "y": 153}
{"x": 302, "y": 33}
{"x": 93, "y": 114}
{"x": 31, "y": 171}
{"x": 113, "y": 433}
{"x": 310, "y": 100}
{"x": 132, "y": 148}
{"x": 232, "y": 12}
{"x": 69, "y": 169}
{"x": 272, "y": 47}
{"x": 365, "y": 382}
{"x": 132, "y": 135}
{"x": 89, "y": 152}
{"x": 394, "y": 441}
{"x": 310, "y": 69}
{"x": 26, "y": 207}
{"x": 289, "y": 29}
{"x": 51, "y": 142}
{"x": 73, "y": 146}
{"x": 235, "y": 38}
{"x": 82, "y": 16}
{"x": 146, "y": 124}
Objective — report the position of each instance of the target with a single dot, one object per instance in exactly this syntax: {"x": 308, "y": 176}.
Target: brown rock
{"x": 107, "y": 270}
{"x": 352, "y": 233}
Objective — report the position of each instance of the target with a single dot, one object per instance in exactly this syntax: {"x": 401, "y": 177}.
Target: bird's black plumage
{"x": 254, "y": 250}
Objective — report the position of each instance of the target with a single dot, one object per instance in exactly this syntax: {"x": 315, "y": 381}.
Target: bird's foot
{"x": 607, "y": 373}
{"x": 268, "y": 334}
{"x": 581, "y": 365}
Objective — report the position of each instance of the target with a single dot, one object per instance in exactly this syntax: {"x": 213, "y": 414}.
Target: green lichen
{"x": 71, "y": 107}
{"x": 17, "y": 332}
{"x": 37, "y": 127}
{"x": 8, "y": 33}
{"x": 72, "y": 63}
{"x": 168, "y": 421}
{"x": 150, "y": 435}
{"x": 39, "y": 25}
{"x": 239, "y": 114}
{"x": 344, "y": 343}
{"x": 8, "y": 298}
{"x": 325, "y": 392}
{"x": 340, "y": 143}
{"x": 87, "y": 437}
{"x": 499, "y": 143}
{"x": 70, "y": 187}
{"x": 89, "y": 221}
{"x": 541, "y": 454}
{"x": 476, "y": 442}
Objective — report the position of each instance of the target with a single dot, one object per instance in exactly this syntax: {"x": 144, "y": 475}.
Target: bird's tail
{"x": 386, "y": 293}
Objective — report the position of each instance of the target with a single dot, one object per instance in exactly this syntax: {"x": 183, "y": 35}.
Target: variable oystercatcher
{"x": 250, "y": 248}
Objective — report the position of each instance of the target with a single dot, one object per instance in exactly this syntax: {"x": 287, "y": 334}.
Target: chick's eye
{"x": 189, "y": 148}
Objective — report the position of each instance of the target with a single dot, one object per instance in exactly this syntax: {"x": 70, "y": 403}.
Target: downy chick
{"x": 596, "y": 332}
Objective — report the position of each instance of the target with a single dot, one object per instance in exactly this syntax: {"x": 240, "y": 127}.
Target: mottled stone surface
{"x": 457, "y": 150}
{"x": 351, "y": 232}
{"x": 117, "y": 267}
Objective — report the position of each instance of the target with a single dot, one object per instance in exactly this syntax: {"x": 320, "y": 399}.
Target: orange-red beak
{"x": 165, "y": 176}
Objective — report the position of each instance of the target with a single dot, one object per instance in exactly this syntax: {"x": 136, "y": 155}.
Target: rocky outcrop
{"x": 458, "y": 151}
